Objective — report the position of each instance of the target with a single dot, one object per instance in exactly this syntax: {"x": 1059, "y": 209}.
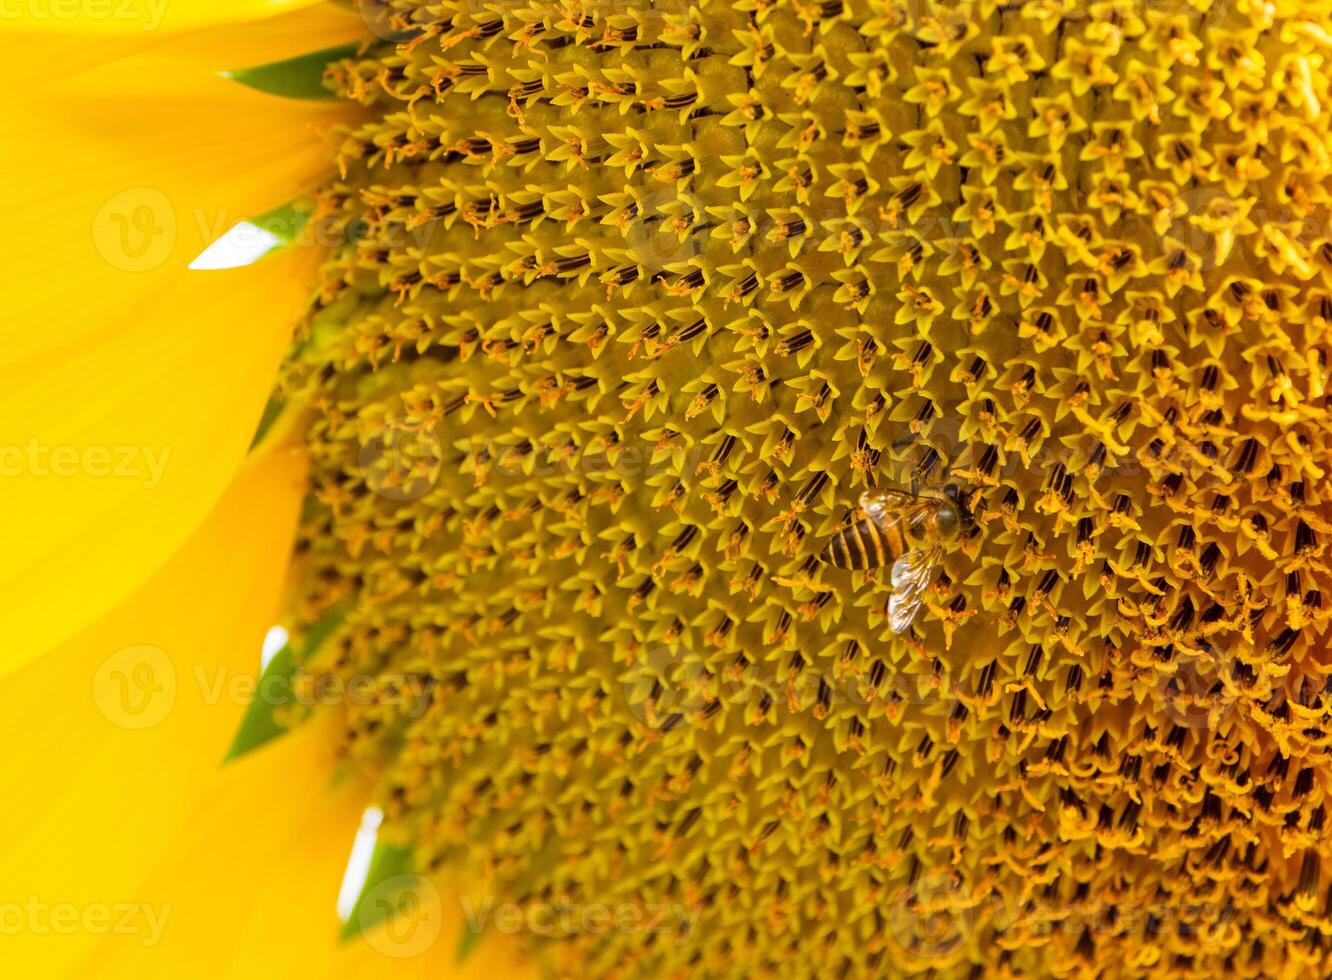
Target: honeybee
{"x": 906, "y": 529}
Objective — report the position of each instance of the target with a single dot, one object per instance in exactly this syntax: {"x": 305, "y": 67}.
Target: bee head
{"x": 958, "y": 499}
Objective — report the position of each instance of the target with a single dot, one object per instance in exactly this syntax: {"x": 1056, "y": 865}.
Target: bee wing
{"x": 910, "y": 578}
{"x": 884, "y": 506}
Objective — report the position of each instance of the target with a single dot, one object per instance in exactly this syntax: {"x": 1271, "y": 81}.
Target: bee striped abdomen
{"x": 863, "y": 544}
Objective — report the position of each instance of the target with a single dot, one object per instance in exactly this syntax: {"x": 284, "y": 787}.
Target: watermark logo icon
{"x": 661, "y": 233}
{"x": 1193, "y": 694}
{"x": 931, "y": 917}
{"x": 401, "y": 460}
{"x": 934, "y": 21}
{"x": 135, "y": 230}
{"x": 384, "y": 22}
{"x": 135, "y": 688}
{"x": 402, "y": 916}
{"x": 665, "y": 686}
{"x": 1206, "y": 222}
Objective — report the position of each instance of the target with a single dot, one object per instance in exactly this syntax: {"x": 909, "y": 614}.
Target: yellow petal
{"x": 111, "y": 738}
{"x": 139, "y": 379}
{"x": 118, "y": 449}
{"x": 257, "y": 866}
{"x": 254, "y": 877}
{"x": 249, "y": 888}
{"x": 118, "y": 176}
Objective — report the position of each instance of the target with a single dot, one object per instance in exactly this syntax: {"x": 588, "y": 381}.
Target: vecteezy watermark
{"x": 140, "y": 229}
{"x": 147, "y": 13}
{"x": 410, "y": 692}
{"x": 668, "y": 684}
{"x": 581, "y": 918}
{"x": 38, "y": 917}
{"x": 1040, "y": 917}
{"x": 385, "y": 20}
{"x": 137, "y": 688}
{"x": 939, "y": 451}
{"x": 38, "y": 459}
{"x": 402, "y": 917}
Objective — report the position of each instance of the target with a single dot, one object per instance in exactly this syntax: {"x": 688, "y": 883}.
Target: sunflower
{"x": 563, "y": 340}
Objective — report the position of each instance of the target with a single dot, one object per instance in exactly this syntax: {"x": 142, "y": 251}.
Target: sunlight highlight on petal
{"x": 274, "y": 641}
{"x": 358, "y": 864}
{"x": 245, "y": 244}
